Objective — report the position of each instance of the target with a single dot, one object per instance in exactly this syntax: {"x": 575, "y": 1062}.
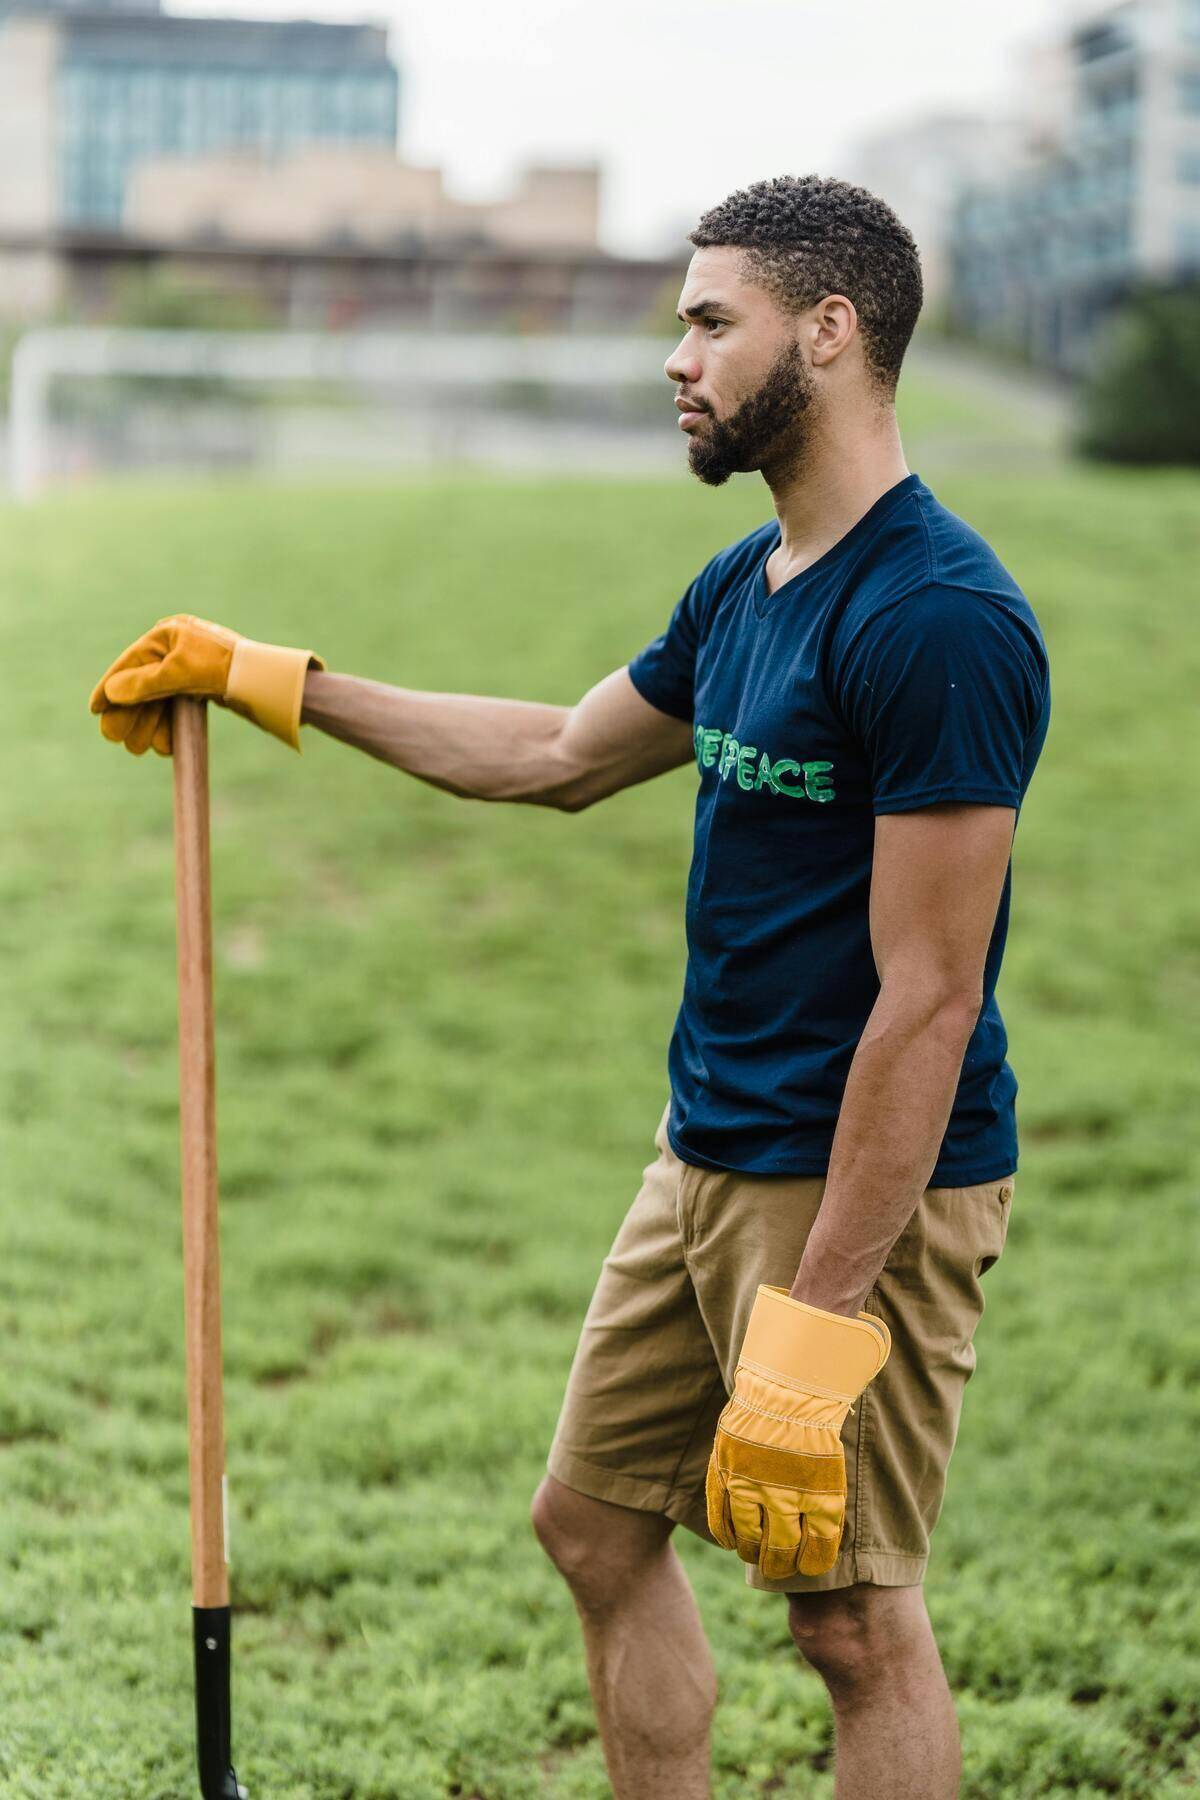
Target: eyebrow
{"x": 701, "y": 307}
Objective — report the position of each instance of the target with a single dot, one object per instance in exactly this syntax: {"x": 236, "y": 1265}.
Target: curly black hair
{"x": 806, "y": 236}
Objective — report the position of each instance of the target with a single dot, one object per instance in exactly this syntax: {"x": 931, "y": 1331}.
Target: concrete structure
{"x": 1106, "y": 193}
{"x": 352, "y": 196}
{"x": 338, "y": 286}
{"x": 29, "y": 189}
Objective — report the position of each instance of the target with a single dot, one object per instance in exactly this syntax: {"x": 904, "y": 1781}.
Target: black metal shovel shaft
{"x": 210, "y": 1626}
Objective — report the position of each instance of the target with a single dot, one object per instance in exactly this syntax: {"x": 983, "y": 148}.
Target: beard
{"x": 772, "y": 427}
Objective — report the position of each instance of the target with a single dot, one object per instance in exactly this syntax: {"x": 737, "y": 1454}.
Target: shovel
{"x": 201, "y": 1254}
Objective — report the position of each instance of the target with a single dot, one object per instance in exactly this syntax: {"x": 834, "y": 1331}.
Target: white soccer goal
{"x": 536, "y": 402}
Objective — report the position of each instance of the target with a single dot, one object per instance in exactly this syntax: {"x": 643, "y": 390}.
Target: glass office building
{"x": 132, "y": 85}
{"x": 1041, "y": 256}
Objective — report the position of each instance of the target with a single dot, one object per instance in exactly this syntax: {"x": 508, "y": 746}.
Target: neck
{"x": 845, "y": 469}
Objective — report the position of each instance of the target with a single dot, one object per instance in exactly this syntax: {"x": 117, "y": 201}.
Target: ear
{"x": 833, "y": 326}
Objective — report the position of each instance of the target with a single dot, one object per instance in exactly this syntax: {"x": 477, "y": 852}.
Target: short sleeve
{"x": 664, "y": 672}
{"x": 946, "y": 690}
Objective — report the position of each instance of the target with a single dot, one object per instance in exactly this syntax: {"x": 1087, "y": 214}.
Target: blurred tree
{"x": 159, "y": 300}
{"x": 1141, "y": 402}
{"x": 659, "y": 318}
{"x": 9, "y": 333}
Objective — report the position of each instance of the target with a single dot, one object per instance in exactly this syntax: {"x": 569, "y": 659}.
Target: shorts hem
{"x": 878, "y": 1568}
{"x": 638, "y": 1491}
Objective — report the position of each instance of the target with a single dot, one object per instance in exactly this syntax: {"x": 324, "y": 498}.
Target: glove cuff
{"x": 266, "y": 685}
{"x": 820, "y": 1350}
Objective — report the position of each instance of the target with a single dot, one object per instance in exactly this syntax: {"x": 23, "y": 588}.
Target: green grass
{"x": 442, "y": 1030}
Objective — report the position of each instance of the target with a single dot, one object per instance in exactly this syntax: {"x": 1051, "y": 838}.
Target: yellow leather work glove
{"x": 186, "y": 655}
{"x": 776, "y": 1483}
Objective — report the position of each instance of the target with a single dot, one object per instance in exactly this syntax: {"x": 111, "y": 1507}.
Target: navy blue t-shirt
{"x": 903, "y": 667}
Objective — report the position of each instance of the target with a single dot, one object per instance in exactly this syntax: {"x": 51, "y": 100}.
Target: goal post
{"x": 367, "y": 362}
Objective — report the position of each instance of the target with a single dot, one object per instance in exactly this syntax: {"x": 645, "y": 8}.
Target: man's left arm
{"x": 936, "y": 882}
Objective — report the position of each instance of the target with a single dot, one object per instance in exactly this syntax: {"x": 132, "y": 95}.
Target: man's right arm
{"x": 495, "y": 749}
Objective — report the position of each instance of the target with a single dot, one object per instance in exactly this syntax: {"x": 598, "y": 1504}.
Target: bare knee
{"x": 856, "y": 1635}
{"x": 596, "y": 1546}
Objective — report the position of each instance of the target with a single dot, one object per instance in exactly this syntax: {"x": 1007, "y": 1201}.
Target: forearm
{"x": 477, "y": 747}
{"x": 893, "y": 1117}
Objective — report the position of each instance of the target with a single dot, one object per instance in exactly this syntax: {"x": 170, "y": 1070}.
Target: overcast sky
{"x": 679, "y": 100}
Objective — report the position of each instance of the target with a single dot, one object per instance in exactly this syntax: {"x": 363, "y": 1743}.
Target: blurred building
{"x": 920, "y": 167}
{"x": 89, "y": 93}
{"x": 1104, "y": 192}
{"x": 453, "y": 286}
{"x": 331, "y": 194}
{"x": 259, "y": 157}
{"x": 91, "y": 89}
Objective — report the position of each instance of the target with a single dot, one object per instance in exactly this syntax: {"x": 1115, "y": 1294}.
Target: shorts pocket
{"x": 998, "y": 1196}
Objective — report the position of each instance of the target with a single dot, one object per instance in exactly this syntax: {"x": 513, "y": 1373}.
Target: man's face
{"x": 746, "y": 394}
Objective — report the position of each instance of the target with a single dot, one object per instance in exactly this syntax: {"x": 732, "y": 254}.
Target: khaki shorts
{"x": 661, "y": 1337}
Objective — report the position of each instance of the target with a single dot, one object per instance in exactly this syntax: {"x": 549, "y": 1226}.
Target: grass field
{"x": 442, "y": 1030}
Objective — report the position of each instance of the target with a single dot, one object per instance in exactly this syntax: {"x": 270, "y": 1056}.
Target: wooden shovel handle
{"x": 198, "y": 1155}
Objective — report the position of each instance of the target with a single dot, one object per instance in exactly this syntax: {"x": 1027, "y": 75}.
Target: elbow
{"x": 570, "y": 792}
{"x": 950, "y": 1007}
{"x": 578, "y": 798}
{"x": 576, "y": 802}
{"x": 554, "y": 799}
{"x": 958, "y": 1010}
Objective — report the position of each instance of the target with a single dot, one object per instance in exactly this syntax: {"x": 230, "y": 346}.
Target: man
{"x": 777, "y": 1347}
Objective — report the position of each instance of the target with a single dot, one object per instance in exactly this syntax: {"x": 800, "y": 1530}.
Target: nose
{"x": 681, "y": 367}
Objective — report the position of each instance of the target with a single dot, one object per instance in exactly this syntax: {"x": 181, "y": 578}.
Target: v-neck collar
{"x": 763, "y": 601}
